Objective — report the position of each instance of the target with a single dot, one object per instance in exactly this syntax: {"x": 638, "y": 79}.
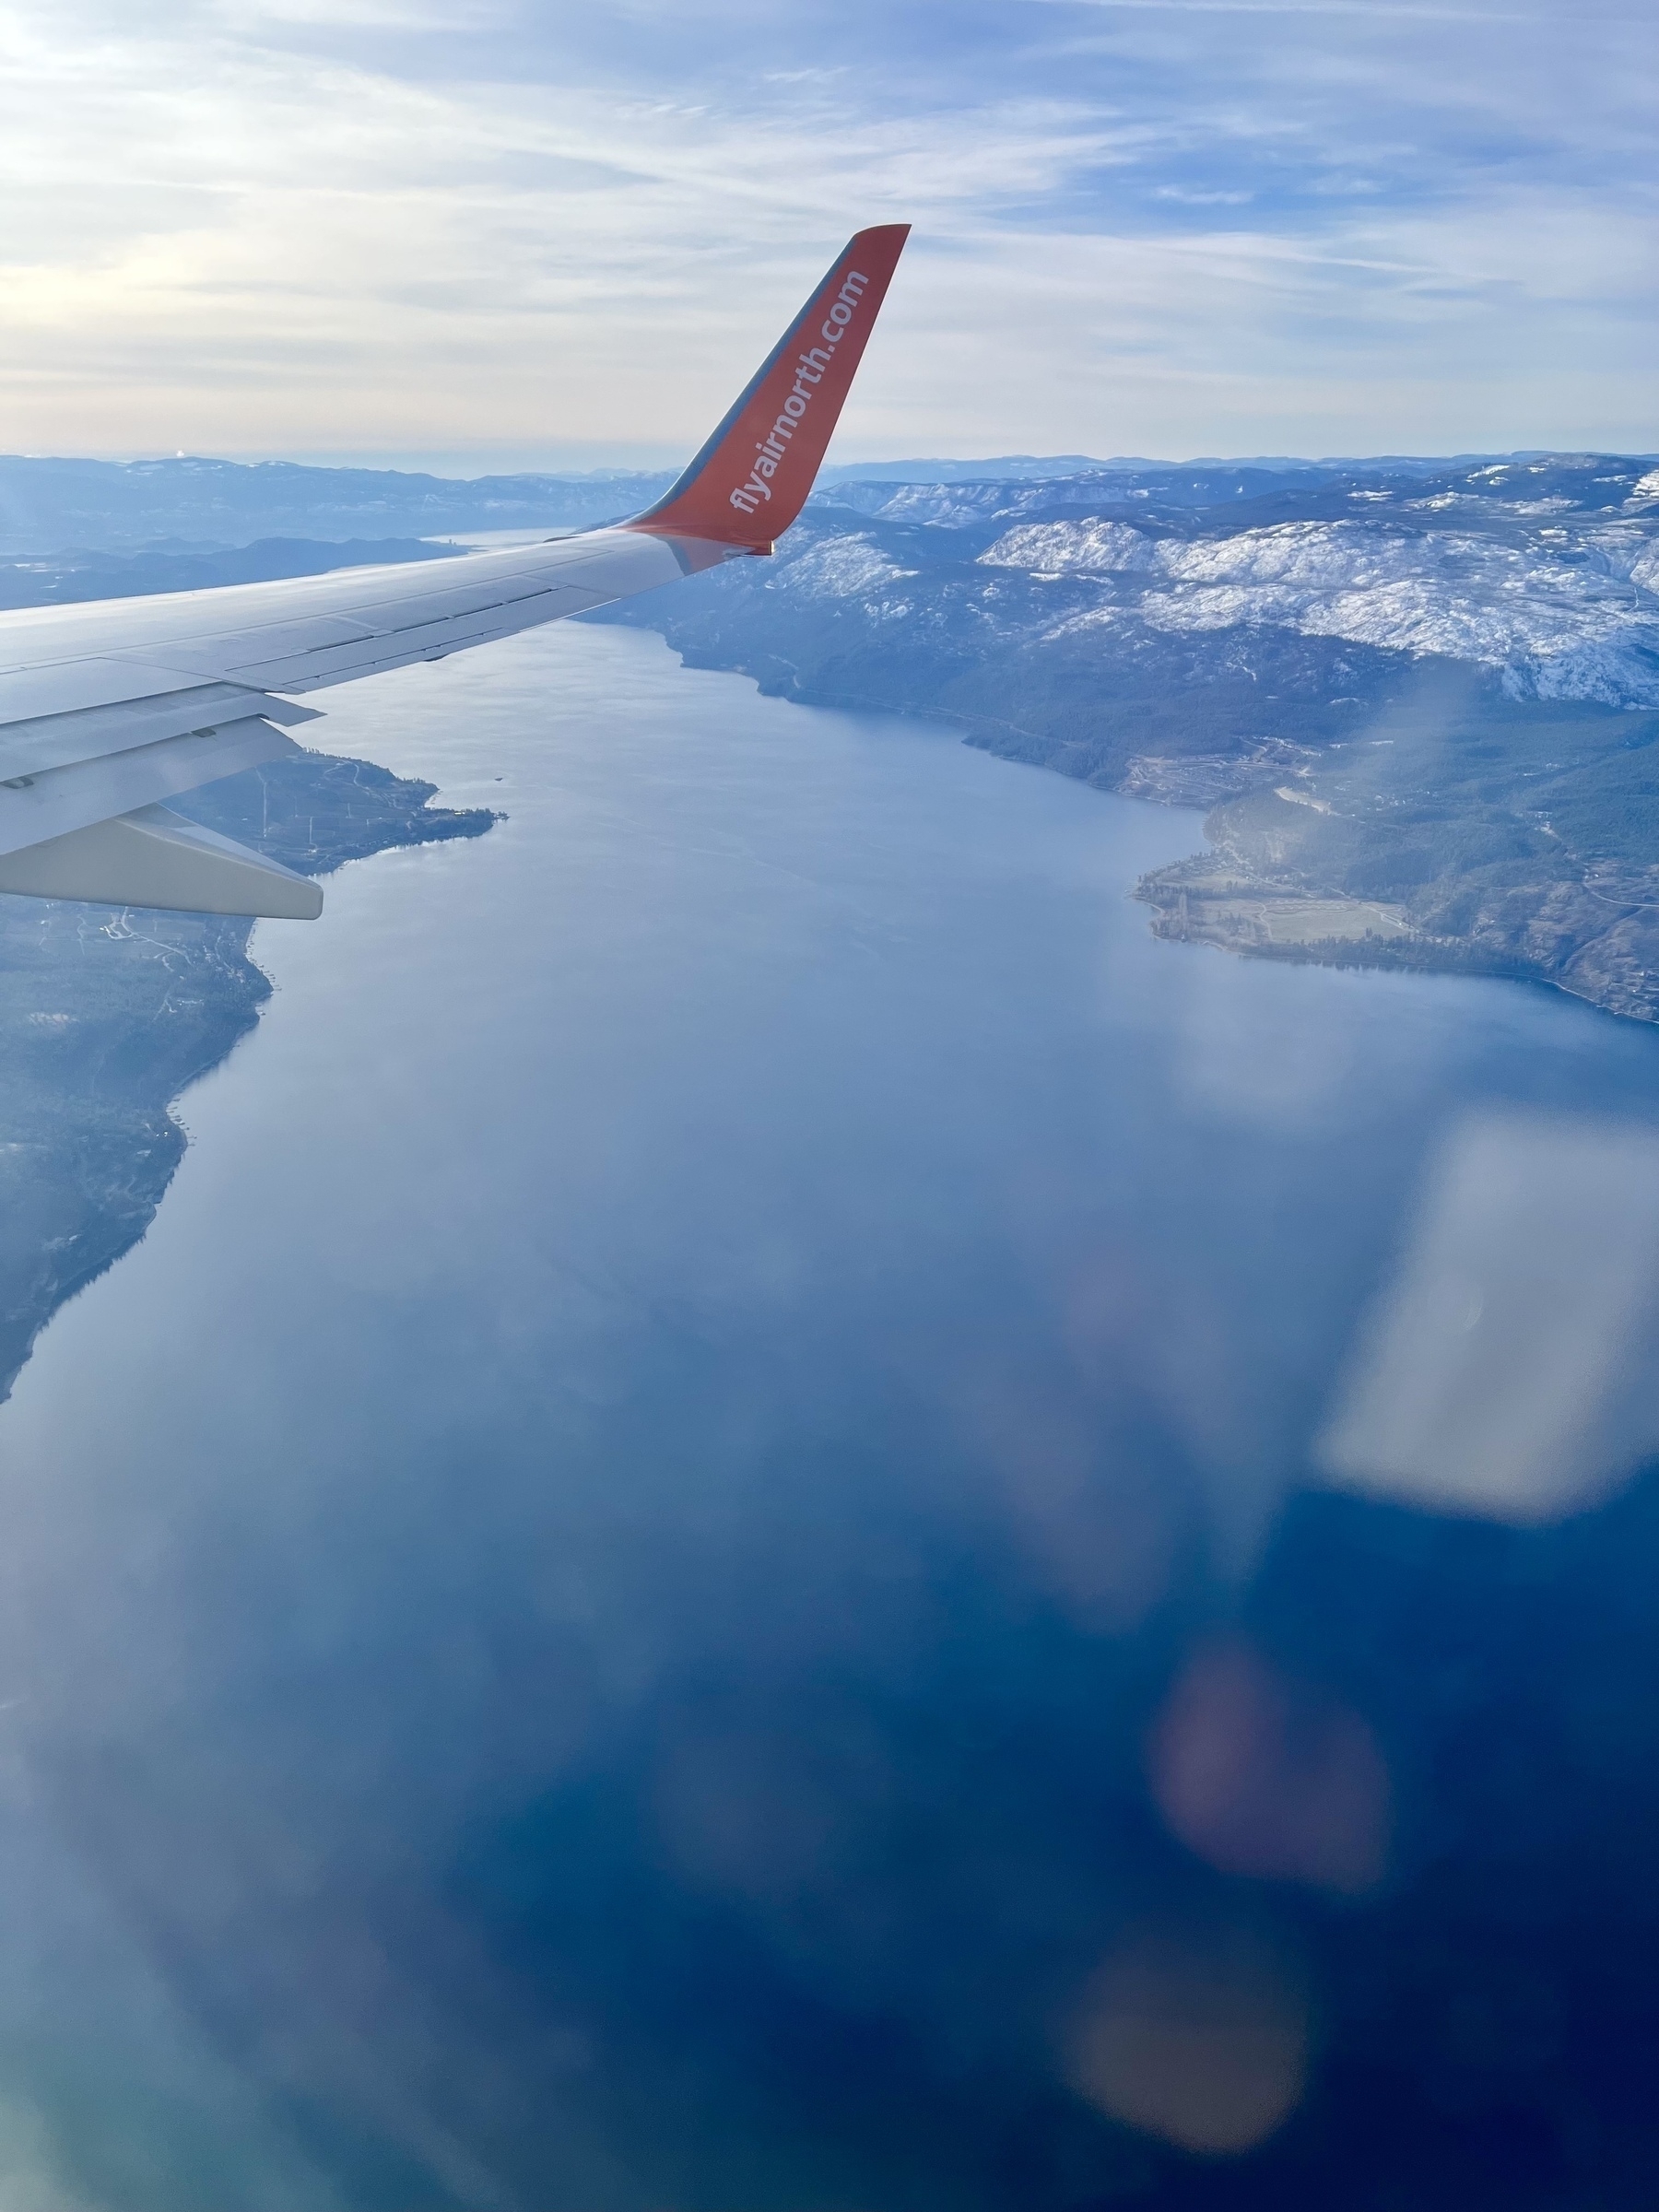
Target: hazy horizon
{"x": 466, "y": 468}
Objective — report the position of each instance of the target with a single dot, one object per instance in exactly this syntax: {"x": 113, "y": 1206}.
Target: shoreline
{"x": 1520, "y": 906}
{"x": 109, "y": 1015}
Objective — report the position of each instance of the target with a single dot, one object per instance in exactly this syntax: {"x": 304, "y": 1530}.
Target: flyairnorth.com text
{"x": 809, "y": 371}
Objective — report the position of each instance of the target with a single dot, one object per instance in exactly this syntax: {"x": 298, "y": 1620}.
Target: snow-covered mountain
{"x": 1563, "y": 613}
{"x": 1546, "y": 571}
{"x": 1205, "y": 610}
{"x": 1422, "y": 700}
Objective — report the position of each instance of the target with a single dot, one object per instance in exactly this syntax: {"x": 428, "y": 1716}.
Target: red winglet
{"x": 751, "y": 479}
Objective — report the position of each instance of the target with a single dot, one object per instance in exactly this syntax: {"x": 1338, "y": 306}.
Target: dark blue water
{"x": 701, "y": 1565}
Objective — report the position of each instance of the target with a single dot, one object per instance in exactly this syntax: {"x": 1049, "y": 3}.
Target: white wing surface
{"x": 108, "y": 709}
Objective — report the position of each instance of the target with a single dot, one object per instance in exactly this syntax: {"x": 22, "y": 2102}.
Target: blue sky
{"x": 486, "y": 233}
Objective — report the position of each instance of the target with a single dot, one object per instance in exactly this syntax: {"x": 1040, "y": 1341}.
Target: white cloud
{"x": 273, "y": 225}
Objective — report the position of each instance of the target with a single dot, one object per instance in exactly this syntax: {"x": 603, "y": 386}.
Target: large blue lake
{"x": 780, "y": 1521}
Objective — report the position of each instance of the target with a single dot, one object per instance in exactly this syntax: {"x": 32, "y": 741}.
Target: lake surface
{"x": 779, "y": 1519}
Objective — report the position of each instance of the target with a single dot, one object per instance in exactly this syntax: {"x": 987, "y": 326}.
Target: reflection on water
{"x": 1512, "y": 1368}
{"x": 779, "y": 1519}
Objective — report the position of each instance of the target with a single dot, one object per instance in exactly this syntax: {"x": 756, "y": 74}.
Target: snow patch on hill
{"x": 1567, "y": 620}
{"x": 845, "y": 568}
{"x": 1087, "y": 548}
{"x": 953, "y": 506}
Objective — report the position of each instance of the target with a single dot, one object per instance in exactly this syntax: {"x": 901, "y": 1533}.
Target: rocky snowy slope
{"x": 1562, "y": 614}
{"x": 1423, "y": 698}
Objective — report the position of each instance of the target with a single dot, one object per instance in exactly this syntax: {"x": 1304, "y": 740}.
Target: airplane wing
{"x": 107, "y": 709}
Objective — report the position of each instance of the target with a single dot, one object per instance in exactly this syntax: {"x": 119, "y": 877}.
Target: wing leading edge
{"x": 108, "y": 709}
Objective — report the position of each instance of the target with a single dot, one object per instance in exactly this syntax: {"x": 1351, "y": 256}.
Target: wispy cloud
{"x": 386, "y": 227}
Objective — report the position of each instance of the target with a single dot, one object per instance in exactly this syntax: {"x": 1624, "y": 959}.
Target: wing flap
{"x": 57, "y": 740}
{"x": 63, "y": 683}
{"x": 64, "y": 799}
{"x": 153, "y": 858}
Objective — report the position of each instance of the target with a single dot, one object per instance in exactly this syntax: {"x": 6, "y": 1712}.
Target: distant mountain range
{"x": 196, "y": 505}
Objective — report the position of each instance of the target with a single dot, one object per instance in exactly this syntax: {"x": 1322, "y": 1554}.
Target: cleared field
{"x": 1236, "y": 917}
